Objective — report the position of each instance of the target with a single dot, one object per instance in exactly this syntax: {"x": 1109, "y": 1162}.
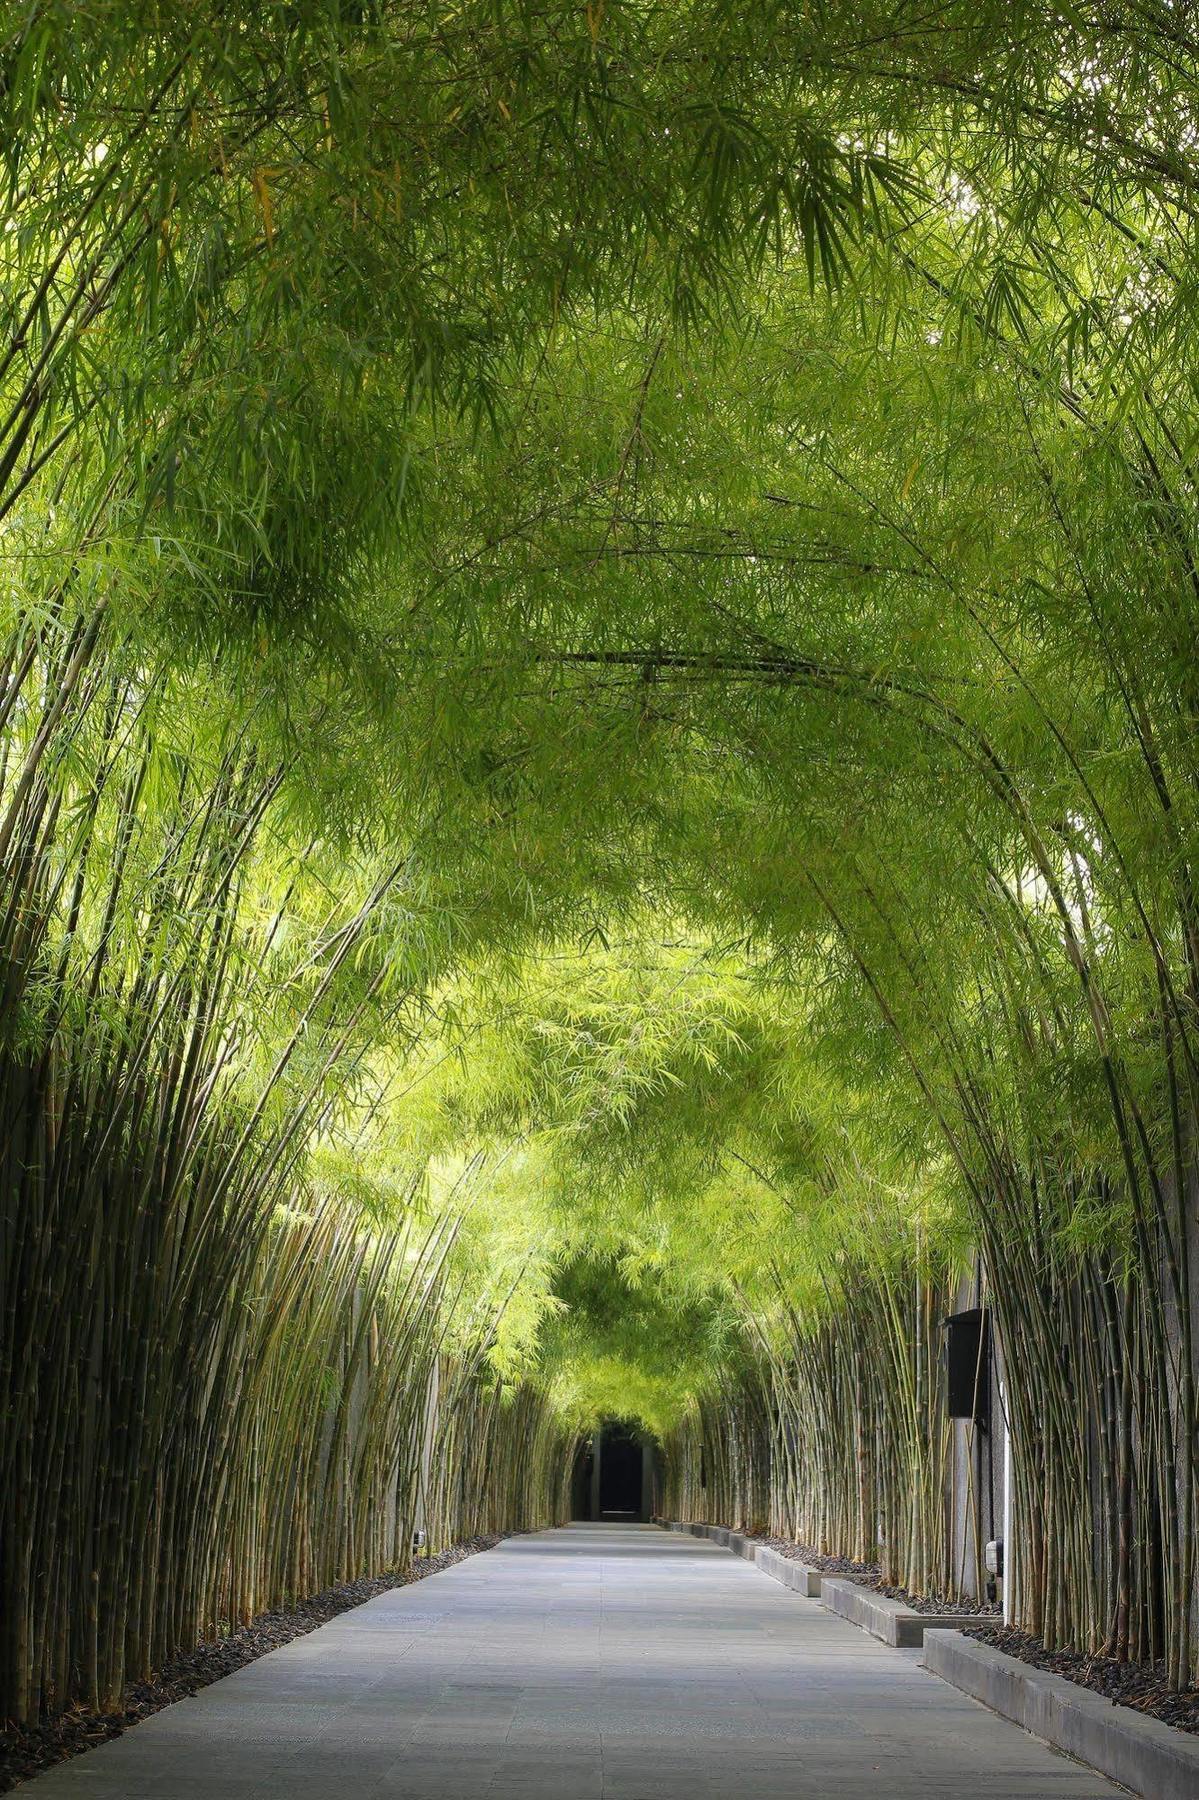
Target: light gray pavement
{"x": 592, "y": 1663}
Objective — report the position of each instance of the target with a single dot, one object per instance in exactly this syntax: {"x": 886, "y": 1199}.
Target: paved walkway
{"x": 594, "y": 1663}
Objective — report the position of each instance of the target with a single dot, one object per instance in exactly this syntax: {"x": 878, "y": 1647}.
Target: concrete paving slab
{"x": 612, "y": 1662}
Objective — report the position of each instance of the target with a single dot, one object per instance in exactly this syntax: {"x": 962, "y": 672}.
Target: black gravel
{"x": 870, "y": 1575}
{"x": 815, "y": 1559}
{"x": 1139, "y": 1685}
{"x": 920, "y": 1603}
{"x": 25, "y": 1751}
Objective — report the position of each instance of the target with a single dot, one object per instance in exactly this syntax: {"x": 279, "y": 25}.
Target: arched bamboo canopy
{"x": 599, "y": 801}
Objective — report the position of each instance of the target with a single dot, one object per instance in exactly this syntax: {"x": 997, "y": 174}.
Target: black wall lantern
{"x": 968, "y": 1365}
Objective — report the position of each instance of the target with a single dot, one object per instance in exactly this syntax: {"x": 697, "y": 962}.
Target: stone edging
{"x": 884, "y": 1618}
{"x": 800, "y": 1577}
{"x": 1154, "y": 1760}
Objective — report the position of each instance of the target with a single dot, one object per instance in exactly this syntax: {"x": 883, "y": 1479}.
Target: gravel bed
{"x": 815, "y": 1559}
{"x": 918, "y": 1603}
{"x": 23, "y": 1752}
{"x": 870, "y": 1575}
{"x": 1139, "y": 1685}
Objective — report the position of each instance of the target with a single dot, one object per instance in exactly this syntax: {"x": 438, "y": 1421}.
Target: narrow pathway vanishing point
{"x": 590, "y": 1663}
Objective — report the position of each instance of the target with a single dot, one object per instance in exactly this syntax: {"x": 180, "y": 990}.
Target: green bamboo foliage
{"x": 678, "y": 528}
{"x": 863, "y": 1436}
{"x": 1089, "y": 1263}
{"x": 502, "y": 1458}
{"x": 282, "y": 1458}
{"x": 857, "y": 1460}
{"x": 215, "y": 1372}
{"x": 1104, "y": 1481}
{"x": 717, "y": 1460}
{"x": 843, "y": 1441}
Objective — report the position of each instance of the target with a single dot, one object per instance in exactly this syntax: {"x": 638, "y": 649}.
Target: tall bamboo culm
{"x": 840, "y": 1440}
{"x": 213, "y": 1380}
{"x": 857, "y": 1458}
{"x": 502, "y": 1458}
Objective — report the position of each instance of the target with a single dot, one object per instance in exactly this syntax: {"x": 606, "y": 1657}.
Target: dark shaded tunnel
{"x": 615, "y": 1475}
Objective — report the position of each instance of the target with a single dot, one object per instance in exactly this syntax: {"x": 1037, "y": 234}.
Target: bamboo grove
{"x": 598, "y": 792}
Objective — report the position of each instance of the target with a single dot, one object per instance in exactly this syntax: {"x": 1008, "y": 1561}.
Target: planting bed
{"x": 1139, "y": 1685}
{"x": 869, "y": 1575}
{"x": 828, "y": 1565}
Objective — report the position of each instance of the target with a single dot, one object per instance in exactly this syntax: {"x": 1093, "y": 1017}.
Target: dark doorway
{"x": 621, "y": 1457}
{"x": 581, "y": 1481}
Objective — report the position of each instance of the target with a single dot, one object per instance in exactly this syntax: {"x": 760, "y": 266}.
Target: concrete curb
{"x": 800, "y": 1577}
{"x": 1141, "y": 1753}
{"x": 889, "y": 1620}
{"x": 786, "y": 1570}
{"x": 884, "y": 1618}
